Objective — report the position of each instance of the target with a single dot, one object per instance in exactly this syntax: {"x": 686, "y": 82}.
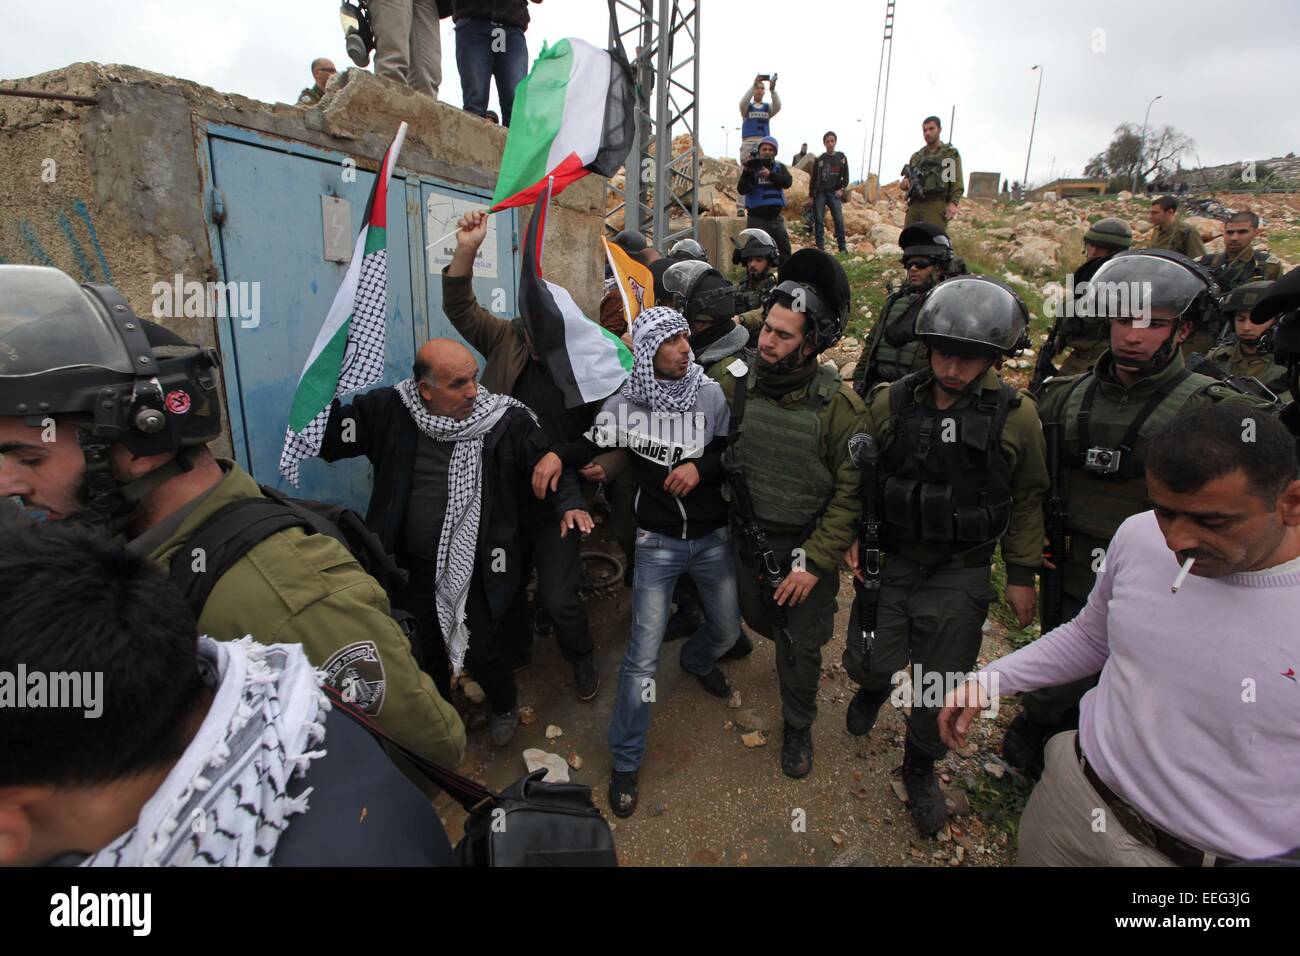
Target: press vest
{"x": 780, "y": 449}
{"x": 756, "y": 122}
{"x": 765, "y": 193}
{"x": 948, "y": 480}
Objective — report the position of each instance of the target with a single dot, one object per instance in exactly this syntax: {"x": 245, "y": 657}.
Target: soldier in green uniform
{"x": 791, "y": 420}
{"x": 1104, "y": 419}
{"x": 1240, "y": 262}
{"x": 892, "y": 350}
{"x": 1087, "y": 336}
{"x": 1168, "y": 232}
{"x": 106, "y": 419}
{"x": 1250, "y": 356}
{"x": 960, "y": 468}
{"x": 758, "y": 253}
{"x": 936, "y": 168}
{"x": 321, "y": 71}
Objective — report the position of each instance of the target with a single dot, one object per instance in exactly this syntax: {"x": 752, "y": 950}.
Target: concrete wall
{"x": 114, "y": 192}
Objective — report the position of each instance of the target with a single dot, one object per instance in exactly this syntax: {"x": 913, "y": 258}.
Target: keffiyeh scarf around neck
{"x": 226, "y": 802}
{"x": 652, "y": 328}
{"x": 459, "y": 539}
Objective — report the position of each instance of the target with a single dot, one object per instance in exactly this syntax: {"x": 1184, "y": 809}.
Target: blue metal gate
{"x": 268, "y": 226}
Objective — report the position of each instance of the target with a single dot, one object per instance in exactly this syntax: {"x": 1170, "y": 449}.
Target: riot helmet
{"x": 80, "y": 352}
{"x": 754, "y": 244}
{"x": 813, "y": 283}
{"x": 972, "y": 316}
{"x": 699, "y": 291}
{"x": 687, "y": 249}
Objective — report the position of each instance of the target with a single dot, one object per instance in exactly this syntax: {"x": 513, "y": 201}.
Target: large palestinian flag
{"x": 585, "y": 359}
{"x": 349, "y": 349}
{"x": 573, "y": 115}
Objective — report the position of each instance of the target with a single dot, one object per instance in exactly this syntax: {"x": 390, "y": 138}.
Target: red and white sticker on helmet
{"x": 178, "y": 402}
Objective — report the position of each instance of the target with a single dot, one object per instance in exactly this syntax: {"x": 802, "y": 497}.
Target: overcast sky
{"x": 1225, "y": 71}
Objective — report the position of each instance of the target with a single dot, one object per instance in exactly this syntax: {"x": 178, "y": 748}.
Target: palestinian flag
{"x": 586, "y": 360}
{"x": 573, "y": 115}
{"x": 349, "y": 349}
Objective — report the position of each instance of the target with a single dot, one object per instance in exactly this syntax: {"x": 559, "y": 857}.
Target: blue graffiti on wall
{"x": 37, "y": 254}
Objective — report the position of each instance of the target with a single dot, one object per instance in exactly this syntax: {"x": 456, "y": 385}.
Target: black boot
{"x": 864, "y": 708}
{"x": 1022, "y": 747}
{"x": 929, "y": 811}
{"x": 685, "y": 621}
{"x": 797, "y": 752}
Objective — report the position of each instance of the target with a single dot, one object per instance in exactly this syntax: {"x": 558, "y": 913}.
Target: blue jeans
{"x": 478, "y": 62}
{"x": 660, "y": 559}
{"x": 820, "y": 202}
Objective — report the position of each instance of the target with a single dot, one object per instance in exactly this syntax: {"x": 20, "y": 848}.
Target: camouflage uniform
{"x": 1249, "y": 265}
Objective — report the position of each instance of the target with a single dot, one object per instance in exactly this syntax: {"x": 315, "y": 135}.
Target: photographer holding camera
{"x": 763, "y": 183}
{"x": 755, "y": 115}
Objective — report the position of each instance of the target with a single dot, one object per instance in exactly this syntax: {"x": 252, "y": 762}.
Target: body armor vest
{"x": 765, "y": 193}
{"x": 781, "y": 452}
{"x": 948, "y": 480}
{"x": 897, "y": 350}
{"x": 1109, "y": 485}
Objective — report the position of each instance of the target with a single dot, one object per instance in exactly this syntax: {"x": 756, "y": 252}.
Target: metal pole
{"x": 695, "y": 129}
{"x": 952, "y": 121}
{"x": 663, "y": 134}
{"x": 1142, "y": 144}
{"x": 884, "y": 106}
{"x": 727, "y": 149}
{"x": 862, "y": 165}
{"x": 886, "y": 37}
{"x": 1033, "y": 125}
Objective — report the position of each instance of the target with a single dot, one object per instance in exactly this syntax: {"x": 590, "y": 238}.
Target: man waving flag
{"x": 349, "y": 349}
{"x": 586, "y": 361}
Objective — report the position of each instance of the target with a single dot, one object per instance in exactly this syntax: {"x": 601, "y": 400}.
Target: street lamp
{"x": 727, "y": 132}
{"x": 1034, "y": 124}
{"x": 1142, "y": 145}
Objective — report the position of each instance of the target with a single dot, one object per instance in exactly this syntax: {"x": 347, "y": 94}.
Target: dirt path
{"x": 706, "y": 799}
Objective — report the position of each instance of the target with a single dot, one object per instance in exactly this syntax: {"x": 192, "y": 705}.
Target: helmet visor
{"x": 1138, "y": 286}
{"x": 975, "y": 311}
{"x": 48, "y": 323}
{"x": 680, "y": 278}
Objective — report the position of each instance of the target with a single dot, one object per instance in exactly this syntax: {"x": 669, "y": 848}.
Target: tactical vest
{"x": 1234, "y": 274}
{"x": 765, "y": 193}
{"x": 1099, "y": 503}
{"x": 756, "y": 122}
{"x": 780, "y": 449}
{"x": 889, "y": 362}
{"x": 929, "y": 169}
{"x": 948, "y": 479}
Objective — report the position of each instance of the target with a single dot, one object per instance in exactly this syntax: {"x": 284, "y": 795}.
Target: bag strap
{"x": 470, "y": 794}
{"x": 229, "y": 534}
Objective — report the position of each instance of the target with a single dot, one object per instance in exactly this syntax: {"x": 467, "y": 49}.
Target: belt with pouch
{"x": 1179, "y": 851}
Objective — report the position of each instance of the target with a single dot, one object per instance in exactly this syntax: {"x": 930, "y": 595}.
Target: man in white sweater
{"x": 1186, "y": 749}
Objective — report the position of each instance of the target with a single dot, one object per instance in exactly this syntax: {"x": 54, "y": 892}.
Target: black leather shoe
{"x": 685, "y": 621}
{"x": 586, "y": 678}
{"x": 742, "y": 648}
{"x": 715, "y": 682}
{"x": 797, "y": 752}
{"x": 1022, "y": 747}
{"x": 622, "y": 793}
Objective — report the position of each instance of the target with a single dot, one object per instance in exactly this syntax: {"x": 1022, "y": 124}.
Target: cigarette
{"x": 1182, "y": 576}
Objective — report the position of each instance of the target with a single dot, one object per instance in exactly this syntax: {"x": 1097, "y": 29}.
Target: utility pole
{"x": 1033, "y": 125}
{"x": 886, "y": 48}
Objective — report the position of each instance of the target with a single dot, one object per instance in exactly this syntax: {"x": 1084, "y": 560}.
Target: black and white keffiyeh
{"x": 226, "y": 802}
{"x": 651, "y": 329}
{"x": 459, "y": 539}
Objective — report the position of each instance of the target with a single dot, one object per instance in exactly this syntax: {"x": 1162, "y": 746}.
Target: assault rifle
{"x": 1245, "y": 384}
{"x": 915, "y": 188}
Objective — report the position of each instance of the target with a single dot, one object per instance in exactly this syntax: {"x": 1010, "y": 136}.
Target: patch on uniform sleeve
{"x": 357, "y": 673}
{"x": 738, "y": 368}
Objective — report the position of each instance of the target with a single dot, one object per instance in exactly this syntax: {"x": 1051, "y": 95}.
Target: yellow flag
{"x": 635, "y": 283}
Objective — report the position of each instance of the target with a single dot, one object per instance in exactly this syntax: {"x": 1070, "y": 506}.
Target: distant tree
{"x": 1126, "y": 154}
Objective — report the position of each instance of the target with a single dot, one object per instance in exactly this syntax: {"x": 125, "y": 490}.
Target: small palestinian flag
{"x": 573, "y": 115}
{"x": 587, "y": 361}
{"x": 349, "y": 349}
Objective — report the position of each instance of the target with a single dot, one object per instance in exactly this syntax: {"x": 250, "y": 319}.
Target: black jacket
{"x": 829, "y": 173}
{"x": 510, "y": 12}
{"x": 385, "y": 433}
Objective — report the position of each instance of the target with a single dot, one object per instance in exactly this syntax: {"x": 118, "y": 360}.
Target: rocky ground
{"x": 712, "y": 791}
